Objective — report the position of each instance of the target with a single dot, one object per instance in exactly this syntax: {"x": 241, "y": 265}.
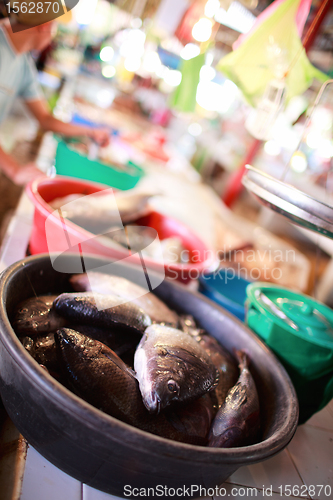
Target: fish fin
{"x": 120, "y": 363}
{"x": 112, "y": 356}
{"x": 217, "y": 380}
{"x": 132, "y": 373}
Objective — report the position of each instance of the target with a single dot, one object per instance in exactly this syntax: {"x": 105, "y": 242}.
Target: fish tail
{"x": 243, "y": 359}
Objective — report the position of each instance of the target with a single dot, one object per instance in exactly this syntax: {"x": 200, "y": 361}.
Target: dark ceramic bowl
{"x": 98, "y": 449}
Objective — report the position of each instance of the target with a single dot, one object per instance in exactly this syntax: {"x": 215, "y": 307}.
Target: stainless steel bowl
{"x": 297, "y": 206}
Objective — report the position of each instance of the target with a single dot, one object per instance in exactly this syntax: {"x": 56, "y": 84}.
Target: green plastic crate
{"x": 73, "y": 164}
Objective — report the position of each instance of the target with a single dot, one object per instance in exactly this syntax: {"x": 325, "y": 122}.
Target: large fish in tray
{"x": 237, "y": 422}
{"x": 83, "y": 308}
{"x": 43, "y": 347}
{"x": 116, "y": 285}
{"x": 101, "y": 378}
{"x": 172, "y": 367}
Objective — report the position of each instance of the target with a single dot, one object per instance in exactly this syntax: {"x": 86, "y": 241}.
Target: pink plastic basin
{"x": 43, "y": 191}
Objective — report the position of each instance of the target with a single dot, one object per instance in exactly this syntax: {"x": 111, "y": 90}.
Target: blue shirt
{"x": 18, "y": 76}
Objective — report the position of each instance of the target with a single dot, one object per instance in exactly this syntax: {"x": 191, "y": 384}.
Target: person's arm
{"x": 19, "y": 174}
{"x": 39, "y": 109}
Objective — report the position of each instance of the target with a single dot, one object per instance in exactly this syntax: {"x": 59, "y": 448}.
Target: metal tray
{"x": 295, "y": 205}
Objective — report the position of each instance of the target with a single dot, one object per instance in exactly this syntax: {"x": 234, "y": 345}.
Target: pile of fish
{"x": 140, "y": 362}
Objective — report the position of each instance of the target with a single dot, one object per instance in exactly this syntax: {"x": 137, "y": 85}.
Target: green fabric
{"x": 184, "y": 97}
{"x": 251, "y": 67}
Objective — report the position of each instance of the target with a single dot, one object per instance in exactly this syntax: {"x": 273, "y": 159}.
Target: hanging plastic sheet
{"x": 184, "y": 97}
{"x": 272, "y": 50}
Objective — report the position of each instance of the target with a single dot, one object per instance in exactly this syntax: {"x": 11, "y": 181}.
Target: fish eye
{"x": 173, "y": 386}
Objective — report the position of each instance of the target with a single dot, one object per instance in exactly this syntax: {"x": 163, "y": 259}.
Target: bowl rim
{"x": 45, "y": 208}
{"x": 93, "y": 416}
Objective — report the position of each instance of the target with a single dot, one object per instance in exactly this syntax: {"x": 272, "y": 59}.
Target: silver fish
{"x": 103, "y": 211}
{"x": 171, "y": 366}
{"x": 237, "y": 422}
{"x": 82, "y": 308}
{"x": 122, "y": 287}
{"x": 36, "y": 315}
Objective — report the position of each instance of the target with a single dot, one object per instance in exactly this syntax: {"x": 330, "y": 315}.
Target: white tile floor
{"x": 299, "y": 471}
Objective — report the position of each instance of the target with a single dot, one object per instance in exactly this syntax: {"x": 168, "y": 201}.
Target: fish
{"x": 101, "y": 378}
{"x": 237, "y": 423}
{"x": 36, "y": 315}
{"x": 120, "y": 344}
{"x": 82, "y": 308}
{"x": 109, "y": 284}
{"x": 44, "y": 351}
{"x": 98, "y": 375}
{"x": 225, "y": 364}
{"x": 171, "y": 367}
{"x": 222, "y": 359}
{"x": 103, "y": 211}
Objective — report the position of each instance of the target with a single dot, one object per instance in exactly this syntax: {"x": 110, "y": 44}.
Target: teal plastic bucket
{"x": 71, "y": 163}
{"x": 299, "y": 330}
